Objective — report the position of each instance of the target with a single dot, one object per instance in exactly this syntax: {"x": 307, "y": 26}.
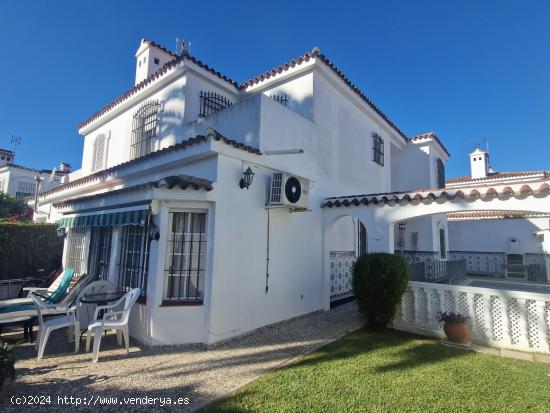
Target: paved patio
{"x": 168, "y": 372}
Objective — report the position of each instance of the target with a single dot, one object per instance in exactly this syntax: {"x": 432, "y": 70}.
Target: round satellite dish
{"x": 293, "y": 189}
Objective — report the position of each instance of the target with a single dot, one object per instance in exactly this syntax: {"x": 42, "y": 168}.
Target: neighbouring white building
{"x": 20, "y": 181}
{"x": 220, "y": 199}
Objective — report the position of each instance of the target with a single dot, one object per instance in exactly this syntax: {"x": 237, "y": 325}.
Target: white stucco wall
{"x": 493, "y": 235}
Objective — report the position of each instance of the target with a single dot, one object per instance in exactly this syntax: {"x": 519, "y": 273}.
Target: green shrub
{"x": 26, "y": 247}
{"x": 379, "y": 281}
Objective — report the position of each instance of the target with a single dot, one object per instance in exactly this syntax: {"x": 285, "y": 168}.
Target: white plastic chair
{"x": 113, "y": 320}
{"x": 65, "y": 319}
{"x": 84, "y": 313}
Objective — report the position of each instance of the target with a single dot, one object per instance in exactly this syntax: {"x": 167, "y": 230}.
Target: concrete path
{"x": 166, "y": 373}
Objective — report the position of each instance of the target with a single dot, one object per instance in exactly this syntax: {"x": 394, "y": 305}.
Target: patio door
{"x": 99, "y": 255}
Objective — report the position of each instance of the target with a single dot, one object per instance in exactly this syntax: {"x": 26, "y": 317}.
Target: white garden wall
{"x": 499, "y": 318}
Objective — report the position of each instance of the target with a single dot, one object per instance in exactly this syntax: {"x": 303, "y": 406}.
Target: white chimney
{"x": 479, "y": 164}
{"x": 150, "y": 57}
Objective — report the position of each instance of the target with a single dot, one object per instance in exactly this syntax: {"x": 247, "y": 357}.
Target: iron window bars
{"x": 377, "y": 149}
{"x": 144, "y": 129}
{"x": 99, "y": 255}
{"x": 211, "y": 102}
{"x": 186, "y": 258}
{"x": 25, "y": 189}
{"x": 281, "y": 98}
{"x": 75, "y": 254}
{"x": 133, "y": 257}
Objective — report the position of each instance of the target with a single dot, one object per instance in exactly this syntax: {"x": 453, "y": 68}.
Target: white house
{"x": 20, "y": 181}
{"x": 216, "y": 197}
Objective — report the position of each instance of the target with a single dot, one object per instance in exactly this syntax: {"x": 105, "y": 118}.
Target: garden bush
{"x": 379, "y": 281}
{"x": 26, "y": 247}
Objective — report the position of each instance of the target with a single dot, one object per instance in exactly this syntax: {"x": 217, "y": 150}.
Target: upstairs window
{"x": 440, "y": 173}
{"x": 25, "y": 189}
{"x": 377, "y": 149}
{"x": 144, "y": 129}
{"x": 98, "y": 159}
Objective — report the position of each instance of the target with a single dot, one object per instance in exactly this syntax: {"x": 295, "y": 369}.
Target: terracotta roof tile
{"x": 170, "y": 182}
{"x": 306, "y": 57}
{"x": 277, "y": 70}
{"x": 430, "y": 135}
{"x": 179, "y": 146}
{"x": 493, "y": 214}
{"x": 497, "y": 175}
{"x": 151, "y": 78}
{"x": 431, "y": 195}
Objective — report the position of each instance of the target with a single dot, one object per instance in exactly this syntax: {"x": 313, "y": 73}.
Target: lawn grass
{"x": 394, "y": 372}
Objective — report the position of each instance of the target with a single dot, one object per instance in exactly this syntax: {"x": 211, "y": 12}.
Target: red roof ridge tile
{"x": 181, "y": 181}
{"x": 431, "y": 135}
{"x": 178, "y": 146}
{"x": 306, "y": 57}
{"x": 149, "y": 79}
{"x": 496, "y": 175}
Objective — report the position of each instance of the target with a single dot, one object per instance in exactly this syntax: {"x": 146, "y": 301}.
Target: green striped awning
{"x": 105, "y": 219}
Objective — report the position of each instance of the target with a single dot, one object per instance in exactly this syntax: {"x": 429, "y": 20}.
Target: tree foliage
{"x": 10, "y": 206}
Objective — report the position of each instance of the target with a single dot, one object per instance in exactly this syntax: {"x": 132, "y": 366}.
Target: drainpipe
{"x": 267, "y": 256}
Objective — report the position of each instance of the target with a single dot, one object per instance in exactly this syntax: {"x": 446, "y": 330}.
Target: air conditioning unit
{"x": 287, "y": 190}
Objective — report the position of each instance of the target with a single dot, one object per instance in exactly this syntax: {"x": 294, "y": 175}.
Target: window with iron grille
{"x": 99, "y": 153}
{"x": 211, "y": 102}
{"x": 281, "y": 98}
{"x": 377, "y": 149}
{"x": 99, "y": 255}
{"x": 76, "y": 240}
{"x": 186, "y": 257}
{"x": 133, "y": 258}
{"x": 144, "y": 129}
{"x": 25, "y": 189}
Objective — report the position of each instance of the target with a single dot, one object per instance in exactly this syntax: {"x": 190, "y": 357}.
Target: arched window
{"x": 144, "y": 129}
{"x": 440, "y": 173}
{"x": 98, "y": 160}
{"x": 361, "y": 238}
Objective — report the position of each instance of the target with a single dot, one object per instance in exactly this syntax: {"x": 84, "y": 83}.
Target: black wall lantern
{"x": 402, "y": 225}
{"x": 153, "y": 232}
{"x": 61, "y": 232}
{"x": 246, "y": 179}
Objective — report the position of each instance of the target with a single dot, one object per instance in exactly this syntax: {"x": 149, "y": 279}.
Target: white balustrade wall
{"x": 499, "y": 318}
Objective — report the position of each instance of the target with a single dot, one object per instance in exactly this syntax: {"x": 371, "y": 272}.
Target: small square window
{"x": 156, "y": 61}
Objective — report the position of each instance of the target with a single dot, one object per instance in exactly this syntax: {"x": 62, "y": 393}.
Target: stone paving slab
{"x": 168, "y": 372}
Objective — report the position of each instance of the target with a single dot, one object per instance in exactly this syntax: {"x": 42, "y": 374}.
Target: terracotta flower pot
{"x": 457, "y": 332}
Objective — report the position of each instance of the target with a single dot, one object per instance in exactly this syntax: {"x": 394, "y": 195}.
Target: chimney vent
{"x": 479, "y": 164}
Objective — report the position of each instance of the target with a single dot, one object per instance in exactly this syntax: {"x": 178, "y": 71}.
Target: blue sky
{"x": 467, "y": 70}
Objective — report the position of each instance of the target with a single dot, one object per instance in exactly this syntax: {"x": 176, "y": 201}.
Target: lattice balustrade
{"x": 463, "y": 307}
{"x": 497, "y": 316}
{"x": 407, "y": 307}
{"x": 534, "y": 334}
{"x": 514, "y": 315}
{"x": 421, "y": 310}
{"x": 507, "y": 319}
{"x": 478, "y": 322}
